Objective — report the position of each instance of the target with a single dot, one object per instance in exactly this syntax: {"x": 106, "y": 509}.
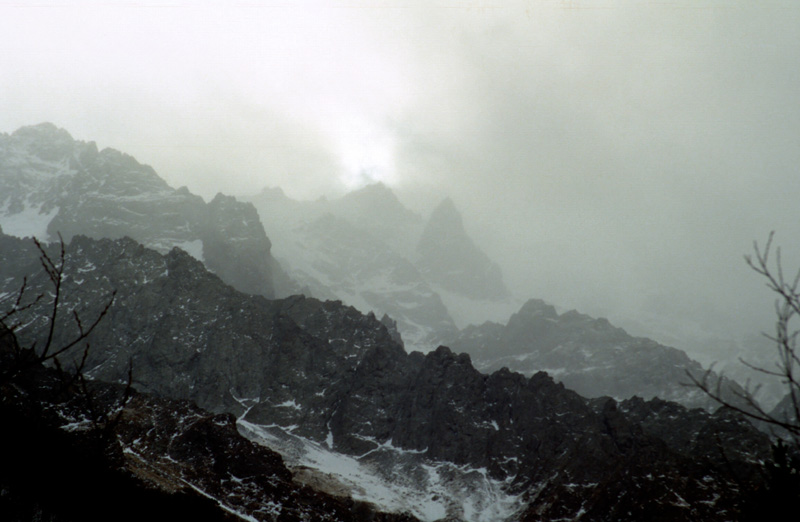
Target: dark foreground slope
{"x": 75, "y": 454}
{"x": 326, "y": 373}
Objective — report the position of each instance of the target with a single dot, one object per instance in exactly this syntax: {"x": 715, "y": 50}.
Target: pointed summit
{"x": 48, "y": 141}
{"x": 445, "y": 220}
{"x": 44, "y": 130}
{"x": 377, "y": 210}
{"x": 272, "y": 194}
{"x": 450, "y": 259}
{"x": 374, "y": 199}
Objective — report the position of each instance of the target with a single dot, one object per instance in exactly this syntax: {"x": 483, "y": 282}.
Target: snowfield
{"x": 30, "y": 222}
{"x": 391, "y": 478}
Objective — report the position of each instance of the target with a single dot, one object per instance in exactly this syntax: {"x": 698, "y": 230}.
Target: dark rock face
{"x": 448, "y": 257}
{"x": 785, "y": 409}
{"x": 158, "y": 458}
{"x": 720, "y": 435}
{"x": 230, "y": 251}
{"x": 190, "y": 335}
{"x": 588, "y": 355}
{"x": 51, "y": 184}
{"x": 329, "y": 374}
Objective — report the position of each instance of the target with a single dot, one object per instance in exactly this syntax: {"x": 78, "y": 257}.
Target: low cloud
{"x": 615, "y": 157}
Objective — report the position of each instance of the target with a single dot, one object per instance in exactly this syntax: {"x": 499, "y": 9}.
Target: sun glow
{"x": 367, "y": 154}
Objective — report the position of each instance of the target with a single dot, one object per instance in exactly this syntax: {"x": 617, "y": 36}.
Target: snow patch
{"x": 225, "y": 507}
{"x": 30, "y": 222}
{"x": 394, "y": 479}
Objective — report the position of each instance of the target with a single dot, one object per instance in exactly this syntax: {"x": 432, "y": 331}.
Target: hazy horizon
{"x": 617, "y": 157}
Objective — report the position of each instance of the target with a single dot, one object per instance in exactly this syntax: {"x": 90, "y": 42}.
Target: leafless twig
{"x": 787, "y": 308}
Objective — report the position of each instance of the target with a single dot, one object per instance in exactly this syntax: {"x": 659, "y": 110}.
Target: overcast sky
{"x": 618, "y": 157}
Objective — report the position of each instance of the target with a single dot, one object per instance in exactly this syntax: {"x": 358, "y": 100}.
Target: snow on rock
{"x": 391, "y": 478}
{"x": 31, "y": 221}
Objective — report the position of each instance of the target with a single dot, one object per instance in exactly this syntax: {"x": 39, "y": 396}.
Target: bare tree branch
{"x": 787, "y": 310}
{"x": 34, "y": 355}
{"x": 103, "y": 417}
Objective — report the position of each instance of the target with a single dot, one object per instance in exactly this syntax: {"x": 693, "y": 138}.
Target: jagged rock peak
{"x": 244, "y": 211}
{"x": 324, "y": 372}
{"x": 50, "y": 142}
{"x": 534, "y": 308}
{"x": 391, "y": 326}
{"x": 376, "y": 192}
{"x": 42, "y": 131}
{"x": 537, "y": 307}
{"x": 450, "y": 259}
{"x": 443, "y": 353}
{"x": 588, "y": 355}
{"x": 376, "y": 200}
{"x": 447, "y": 217}
{"x": 52, "y": 184}
{"x": 272, "y": 194}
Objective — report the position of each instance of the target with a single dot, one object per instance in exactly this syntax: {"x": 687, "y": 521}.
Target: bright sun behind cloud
{"x": 367, "y": 154}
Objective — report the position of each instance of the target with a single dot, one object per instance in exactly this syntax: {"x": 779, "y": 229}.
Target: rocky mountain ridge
{"x": 368, "y": 250}
{"x": 51, "y": 184}
{"x": 99, "y": 456}
{"x": 590, "y": 356}
{"x": 449, "y": 258}
{"x": 324, "y": 373}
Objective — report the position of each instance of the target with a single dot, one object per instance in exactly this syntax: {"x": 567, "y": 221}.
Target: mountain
{"x": 449, "y": 258}
{"x": 354, "y": 249}
{"x": 376, "y": 210}
{"x": 353, "y": 412}
{"x": 73, "y": 453}
{"x": 588, "y": 355}
{"x": 51, "y": 184}
{"x": 362, "y": 249}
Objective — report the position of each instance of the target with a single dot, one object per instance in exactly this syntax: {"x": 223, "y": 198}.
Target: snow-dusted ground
{"x": 395, "y": 480}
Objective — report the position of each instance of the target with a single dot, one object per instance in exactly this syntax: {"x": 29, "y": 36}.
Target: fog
{"x": 618, "y": 157}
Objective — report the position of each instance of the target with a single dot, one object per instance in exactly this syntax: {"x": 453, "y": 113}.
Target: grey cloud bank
{"x": 615, "y": 157}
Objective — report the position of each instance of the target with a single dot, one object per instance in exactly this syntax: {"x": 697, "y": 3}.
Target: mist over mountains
{"x": 320, "y": 329}
{"x": 372, "y": 252}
